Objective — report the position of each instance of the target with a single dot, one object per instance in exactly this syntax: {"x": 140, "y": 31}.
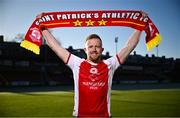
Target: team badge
{"x": 35, "y": 35}
{"x": 93, "y": 74}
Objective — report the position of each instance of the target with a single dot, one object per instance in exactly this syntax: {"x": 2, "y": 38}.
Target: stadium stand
{"x": 19, "y": 67}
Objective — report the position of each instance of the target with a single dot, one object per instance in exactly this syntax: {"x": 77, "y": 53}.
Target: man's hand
{"x": 144, "y": 14}
{"x": 39, "y": 15}
{"x": 42, "y": 28}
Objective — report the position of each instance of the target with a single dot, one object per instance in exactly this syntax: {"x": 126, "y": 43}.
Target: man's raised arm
{"x": 55, "y": 46}
{"x": 129, "y": 46}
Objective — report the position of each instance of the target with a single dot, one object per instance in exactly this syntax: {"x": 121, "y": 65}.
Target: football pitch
{"x": 124, "y": 103}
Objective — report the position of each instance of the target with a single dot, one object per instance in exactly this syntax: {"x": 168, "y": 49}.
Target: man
{"x": 92, "y": 76}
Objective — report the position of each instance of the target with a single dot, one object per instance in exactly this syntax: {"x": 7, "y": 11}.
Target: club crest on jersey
{"x": 93, "y": 74}
{"x": 93, "y": 70}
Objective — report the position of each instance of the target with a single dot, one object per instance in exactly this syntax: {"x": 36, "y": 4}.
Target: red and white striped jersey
{"x": 92, "y": 85}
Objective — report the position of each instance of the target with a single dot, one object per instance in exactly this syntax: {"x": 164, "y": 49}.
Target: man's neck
{"x": 94, "y": 61}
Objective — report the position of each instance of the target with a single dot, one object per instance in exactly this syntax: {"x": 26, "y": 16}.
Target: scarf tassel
{"x": 154, "y": 42}
{"x": 30, "y": 46}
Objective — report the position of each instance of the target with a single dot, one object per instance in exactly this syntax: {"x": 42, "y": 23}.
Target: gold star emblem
{"x": 90, "y": 22}
{"x": 102, "y": 22}
{"x": 77, "y": 23}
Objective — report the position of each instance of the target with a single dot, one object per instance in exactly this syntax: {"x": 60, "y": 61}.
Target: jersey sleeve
{"x": 73, "y": 60}
{"x": 114, "y": 62}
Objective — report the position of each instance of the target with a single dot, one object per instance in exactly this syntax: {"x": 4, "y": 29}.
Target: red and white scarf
{"x": 128, "y": 18}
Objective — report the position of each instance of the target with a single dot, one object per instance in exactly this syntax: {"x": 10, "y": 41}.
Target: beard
{"x": 94, "y": 57}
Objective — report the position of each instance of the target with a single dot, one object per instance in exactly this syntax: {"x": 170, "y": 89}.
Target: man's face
{"x": 93, "y": 49}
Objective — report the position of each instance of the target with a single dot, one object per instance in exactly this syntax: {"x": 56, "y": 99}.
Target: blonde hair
{"x": 93, "y": 36}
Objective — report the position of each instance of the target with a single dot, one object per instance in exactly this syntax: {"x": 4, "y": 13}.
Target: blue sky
{"x": 17, "y": 15}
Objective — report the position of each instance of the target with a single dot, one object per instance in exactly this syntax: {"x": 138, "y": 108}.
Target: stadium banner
{"x": 127, "y": 18}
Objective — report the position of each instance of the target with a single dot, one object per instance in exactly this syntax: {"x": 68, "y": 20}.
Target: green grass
{"x": 159, "y": 103}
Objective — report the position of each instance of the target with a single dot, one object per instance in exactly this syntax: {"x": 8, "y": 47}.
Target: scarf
{"x": 127, "y": 18}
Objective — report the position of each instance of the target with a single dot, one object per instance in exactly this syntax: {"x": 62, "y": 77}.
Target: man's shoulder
{"x": 74, "y": 58}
